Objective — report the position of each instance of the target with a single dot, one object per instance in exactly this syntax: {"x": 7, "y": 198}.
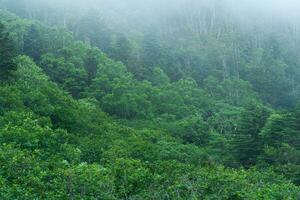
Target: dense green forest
{"x": 140, "y": 99}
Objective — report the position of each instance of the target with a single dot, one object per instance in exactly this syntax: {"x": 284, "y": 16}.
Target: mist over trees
{"x": 148, "y": 99}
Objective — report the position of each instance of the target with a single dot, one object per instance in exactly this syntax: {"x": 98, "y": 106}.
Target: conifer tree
{"x": 7, "y": 53}
{"x": 247, "y": 144}
{"x": 32, "y": 43}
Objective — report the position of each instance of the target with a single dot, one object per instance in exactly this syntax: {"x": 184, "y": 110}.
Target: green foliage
{"x": 10, "y": 99}
{"x": 89, "y": 182}
{"x": 247, "y": 144}
{"x": 7, "y": 53}
{"x": 32, "y": 42}
{"x": 192, "y": 130}
{"x": 75, "y": 124}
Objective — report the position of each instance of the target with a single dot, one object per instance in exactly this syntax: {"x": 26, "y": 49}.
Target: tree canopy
{"x": 193, "y": 108}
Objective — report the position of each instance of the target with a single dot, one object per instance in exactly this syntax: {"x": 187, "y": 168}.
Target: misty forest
{"x": 149, "y": 99}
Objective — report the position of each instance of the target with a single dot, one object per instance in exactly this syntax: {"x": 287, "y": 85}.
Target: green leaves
{"x": 7, "y": 53}
{"x": 89, "y": 182}
{"x": 247, "y": 143}
{"x": 172, "y": 137}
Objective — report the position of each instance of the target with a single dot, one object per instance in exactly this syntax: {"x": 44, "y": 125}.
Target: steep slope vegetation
{"x": 78, "y": 125}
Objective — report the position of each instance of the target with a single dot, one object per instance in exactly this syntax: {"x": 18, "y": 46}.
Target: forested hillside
{"x": 107, "y": 100}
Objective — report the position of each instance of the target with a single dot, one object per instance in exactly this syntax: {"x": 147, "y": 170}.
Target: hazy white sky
{"x": 242, "y": 10}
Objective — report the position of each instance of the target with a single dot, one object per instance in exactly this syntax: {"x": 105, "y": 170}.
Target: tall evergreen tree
{"x": 32, "y": 42}
{"x": 122, "y": 49}
{"x": 247, "y": 144}
{"x": 91, "y": 64}
{"x": 7, "y": 53}
{"x": 282, "y": 131}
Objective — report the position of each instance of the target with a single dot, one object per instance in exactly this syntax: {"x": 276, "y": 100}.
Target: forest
{"x": 149, "y": 100}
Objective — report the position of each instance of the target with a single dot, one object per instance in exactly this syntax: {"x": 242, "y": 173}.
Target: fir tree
{"x": 7, "y": 53}
{"x": 247, "y": 144}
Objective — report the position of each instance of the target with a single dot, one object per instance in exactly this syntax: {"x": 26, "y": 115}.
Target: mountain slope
{"x": 57, "y": 143}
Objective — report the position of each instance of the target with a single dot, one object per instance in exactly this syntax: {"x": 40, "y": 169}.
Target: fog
{"x": 274, "y": 10}
{"x": 154, "y": 10}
